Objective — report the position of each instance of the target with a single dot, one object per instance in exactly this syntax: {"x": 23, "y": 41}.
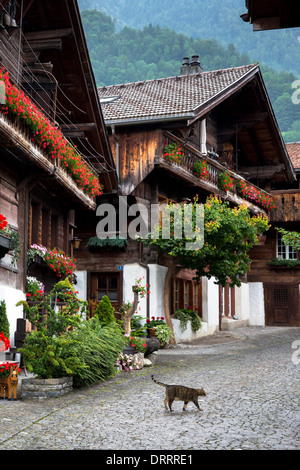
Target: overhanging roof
{"x": 272, "y": 14}
{"x": 236, "y": 91}
{"x": 53, "y": 33}
{"x": 172, "y": 98}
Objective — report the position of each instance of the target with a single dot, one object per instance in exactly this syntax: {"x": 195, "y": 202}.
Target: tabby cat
{"x": 179, "y": 392}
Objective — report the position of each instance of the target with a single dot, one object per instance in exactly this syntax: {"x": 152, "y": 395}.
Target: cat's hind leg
{"x": 166, "y": 401}
{"x": 185, "y": 405}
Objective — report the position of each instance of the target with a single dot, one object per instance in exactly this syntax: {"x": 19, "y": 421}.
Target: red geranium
{"x": 48, "y": 137}
{"x": 5, "y": 368}
{"x": 4, "y": 342}
{"x": 3, "y": 222}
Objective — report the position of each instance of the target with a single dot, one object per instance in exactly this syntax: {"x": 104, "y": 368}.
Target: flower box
{"x": 4, "y": 245}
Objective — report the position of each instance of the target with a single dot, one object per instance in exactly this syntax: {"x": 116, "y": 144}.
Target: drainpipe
{"x": 203, "y": 137}
{"x": 144, "y": 265}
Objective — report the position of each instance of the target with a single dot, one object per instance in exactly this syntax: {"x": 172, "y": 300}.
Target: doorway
{"x": 282, "y": 304}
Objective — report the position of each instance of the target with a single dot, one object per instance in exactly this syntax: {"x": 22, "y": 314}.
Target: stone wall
{"x": 40, "y": 389}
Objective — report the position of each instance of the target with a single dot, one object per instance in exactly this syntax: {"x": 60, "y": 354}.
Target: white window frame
{"x": 284, "y": 251}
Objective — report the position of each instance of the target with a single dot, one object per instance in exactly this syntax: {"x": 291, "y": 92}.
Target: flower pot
{"x": 128, "y": 350}
{"x": 4, "y": 245}
{"x": 152, "y": 331}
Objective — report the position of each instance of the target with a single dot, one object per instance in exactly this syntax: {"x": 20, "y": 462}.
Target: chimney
{"x": 184, "y": 70}
{"x": 190, "y": 68}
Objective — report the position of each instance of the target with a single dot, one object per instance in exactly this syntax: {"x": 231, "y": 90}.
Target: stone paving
{"x": 251, "y": 377}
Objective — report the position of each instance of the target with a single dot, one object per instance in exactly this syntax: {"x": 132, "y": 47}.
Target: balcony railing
{"x": 25, "y": 126}
{"x": 239, "y": 189}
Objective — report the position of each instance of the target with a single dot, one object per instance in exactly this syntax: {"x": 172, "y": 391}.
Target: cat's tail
{"x": 158, "y": 383}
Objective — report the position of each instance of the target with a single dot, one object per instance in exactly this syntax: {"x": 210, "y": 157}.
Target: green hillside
{"x": 128, "y": 55}
{"x": 208, "y": 19}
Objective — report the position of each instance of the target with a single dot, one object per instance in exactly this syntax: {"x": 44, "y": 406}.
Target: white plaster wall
{"x": 242, "y": 301}
{"x": 81, "y": 285}
{"x": 256, "y": 304}
{"x": 157, "y": 276}
{"x": 210, "y": 304}
{"x": 12, "y": 297}
{"x": 131, "y": 272}
{"x": 188, "y": 335}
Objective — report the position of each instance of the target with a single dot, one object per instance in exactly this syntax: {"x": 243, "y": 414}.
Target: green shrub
{"x": 51, "y": 356}
{"x": 104, "y": 311}
{"x": 98, "y": 347}
{"x": 4, "y": 323}
{"x": 185, "y": 315}
{"x": 89, "y": 353}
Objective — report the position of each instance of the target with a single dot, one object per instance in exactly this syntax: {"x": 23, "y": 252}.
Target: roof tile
{"x": 167, "y": 97}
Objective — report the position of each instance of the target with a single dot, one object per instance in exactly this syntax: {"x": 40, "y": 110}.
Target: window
{"x": 186, "y": 294}
{"x": 176, "y": 294}
{"x": 285, "y": 251}
{"x": 107, "y": 285}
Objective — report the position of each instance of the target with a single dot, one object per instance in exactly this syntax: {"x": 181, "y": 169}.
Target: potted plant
{"x": 56, "y": 260}
{"x": 200, "y": 169}
{"x": 9, "y": 240}
{"x": 135, "y": 344}
{"x": 225, "y": 182}
{"x": 94, "y": 243}
{"x": 153, "y": 322}
{"x": 188, "y": 314}
{"x": 34, "y": 289}
{"x": 4, "y": 239}
{"x": 173, "y": 153}
{"x": 163, "y": 333}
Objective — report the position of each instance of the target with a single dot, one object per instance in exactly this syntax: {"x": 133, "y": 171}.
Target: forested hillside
{"x": 208, "y": 19}
{"x": 131, "y": 55}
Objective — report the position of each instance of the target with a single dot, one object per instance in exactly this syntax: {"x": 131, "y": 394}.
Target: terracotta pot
{"x": 152, "y": 331}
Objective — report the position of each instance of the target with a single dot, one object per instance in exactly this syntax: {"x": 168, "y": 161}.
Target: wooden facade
{"x": 272, "y": 14}
{"x": 281, "y": 278}
{"x": 233, "y": 130}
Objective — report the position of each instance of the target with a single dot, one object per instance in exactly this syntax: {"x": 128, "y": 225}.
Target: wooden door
{"x": 282, "y": 305}
{"x": 105, "y": 284}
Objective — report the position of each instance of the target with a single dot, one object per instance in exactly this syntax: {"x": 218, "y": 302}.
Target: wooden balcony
{"x": 185, "y": 169}
{"x": 17, "y": 139}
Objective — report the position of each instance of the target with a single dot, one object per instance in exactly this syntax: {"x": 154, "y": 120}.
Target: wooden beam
{"x": 262, "y": 24}
{"x": 83, "y": 127}
{"x": 36, "y": 36}
{"x": 266, "y": 171}
{"x": 48, "y": 44}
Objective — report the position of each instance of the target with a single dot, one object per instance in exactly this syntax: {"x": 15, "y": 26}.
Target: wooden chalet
{"x": 272, "y": 14}
{"x": 276, "y": 267}
{"x": 222, "y": 117}
{"x": 43, "y": 48}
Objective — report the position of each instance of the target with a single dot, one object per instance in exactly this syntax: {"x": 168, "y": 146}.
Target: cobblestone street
{"x": 251, "y": 377}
